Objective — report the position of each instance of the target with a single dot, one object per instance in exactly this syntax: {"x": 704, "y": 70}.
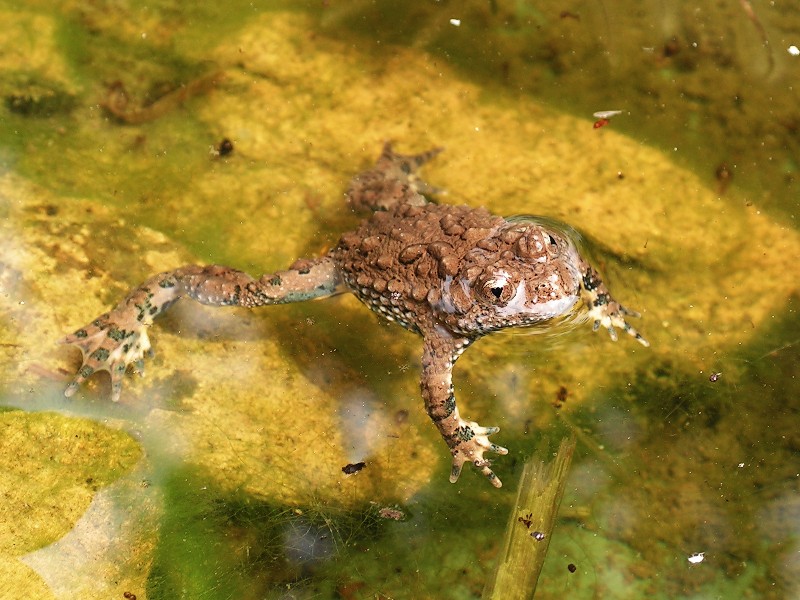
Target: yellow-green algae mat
{"x": 225, "y": 395}
{"x": 51, "y": 467}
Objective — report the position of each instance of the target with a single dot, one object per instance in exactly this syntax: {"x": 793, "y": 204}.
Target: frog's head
{"x": 531, "y": 277}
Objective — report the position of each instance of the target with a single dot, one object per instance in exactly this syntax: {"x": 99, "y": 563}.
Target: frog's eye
{"x": 498, "y": 288}
{"x": 497, "y": 293}
{"x": 552, "y": 244}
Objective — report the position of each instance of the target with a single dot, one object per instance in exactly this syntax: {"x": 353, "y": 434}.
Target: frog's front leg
{"x": 466, "y": 439}
{"x": 119, "y": 337}
{"x": 603, "y": 309}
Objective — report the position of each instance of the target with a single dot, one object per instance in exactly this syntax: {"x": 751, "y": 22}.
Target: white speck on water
{"x": 606, "y": 114}
{"x": 697, "y": 557}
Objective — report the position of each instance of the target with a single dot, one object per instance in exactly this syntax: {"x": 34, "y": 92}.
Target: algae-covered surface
{"x": 219, "y": 473}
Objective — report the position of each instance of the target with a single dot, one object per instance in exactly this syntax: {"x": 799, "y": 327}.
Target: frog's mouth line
{"x": 573, "y": 317}
{"x": 539, "y": 311}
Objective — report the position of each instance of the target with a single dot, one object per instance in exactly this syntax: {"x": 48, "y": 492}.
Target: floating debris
{"x": 118, "y": 104}
{"x": 395, "y": 514}
{"x": 604, "y": 116}
{"x": 225, "y": 147}
{"x": 352, "y": 468}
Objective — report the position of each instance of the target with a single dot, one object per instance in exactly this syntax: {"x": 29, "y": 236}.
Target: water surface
{"x": 218, "y": 475}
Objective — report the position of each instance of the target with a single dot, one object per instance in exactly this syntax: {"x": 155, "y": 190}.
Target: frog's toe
{"x": 498, "y": 449}
{"x": 635, "y": 334}
{"x": 481, "y": 464}
{"x": 483, "y": 431}
{"x": 627, "y": 327}
{"x": 138, "y": 365}
{"x": 489, "y": 474}
{"x": 83, "y": 373}
{"x": 455, "y": 470}
{"x": 628, "y": 312}
{"x": 609, "y": 326}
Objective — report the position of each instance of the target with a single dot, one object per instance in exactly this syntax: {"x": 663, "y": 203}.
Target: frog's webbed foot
{"x": 470, "y": 442}
{"x": 405, "y": 167}
{"x": 392, "y": 181}
{"x": 612, "y": 315}
{"x": 109, "y": 344}
{"x": 604, "y": 310}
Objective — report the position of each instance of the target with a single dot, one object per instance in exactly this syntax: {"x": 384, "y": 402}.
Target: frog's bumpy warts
{"x": 450, "y": 273}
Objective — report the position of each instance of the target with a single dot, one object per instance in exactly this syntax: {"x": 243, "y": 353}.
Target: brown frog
{"x": 450, "y": 273}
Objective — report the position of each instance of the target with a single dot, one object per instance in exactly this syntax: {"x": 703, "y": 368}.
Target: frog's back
{"x": 396, "y": 259}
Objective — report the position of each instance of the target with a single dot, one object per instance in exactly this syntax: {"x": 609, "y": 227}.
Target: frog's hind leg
{"x": 118, "y": 338}
{"x": 393, "y": 180}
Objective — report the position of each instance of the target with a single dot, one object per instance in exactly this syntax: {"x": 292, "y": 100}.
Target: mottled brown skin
{"x": 449, "y": 273}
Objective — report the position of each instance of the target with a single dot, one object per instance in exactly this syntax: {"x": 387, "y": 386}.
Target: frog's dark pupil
{"x": 497, "y": 291}
{"x": 552, "y": 239}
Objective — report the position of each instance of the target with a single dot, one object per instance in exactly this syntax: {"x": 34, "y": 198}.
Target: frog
{"x": 452, "y": 274}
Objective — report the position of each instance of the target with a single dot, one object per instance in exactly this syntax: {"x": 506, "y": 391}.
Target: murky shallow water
{"x": 219, "y": 474}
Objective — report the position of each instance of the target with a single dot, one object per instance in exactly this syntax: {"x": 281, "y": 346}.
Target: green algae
{"x": 692, "y": 80}
{"x": 306, "y": 110}
{"x": 52, "y": 465}
{"x": 219, "y": 544}
{"x": 30, "y": 95}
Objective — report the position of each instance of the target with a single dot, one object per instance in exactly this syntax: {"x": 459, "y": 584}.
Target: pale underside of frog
{"x": 450, "y": 273}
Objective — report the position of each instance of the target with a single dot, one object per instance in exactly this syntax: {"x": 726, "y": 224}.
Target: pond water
{"x": 136, "y": 139}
